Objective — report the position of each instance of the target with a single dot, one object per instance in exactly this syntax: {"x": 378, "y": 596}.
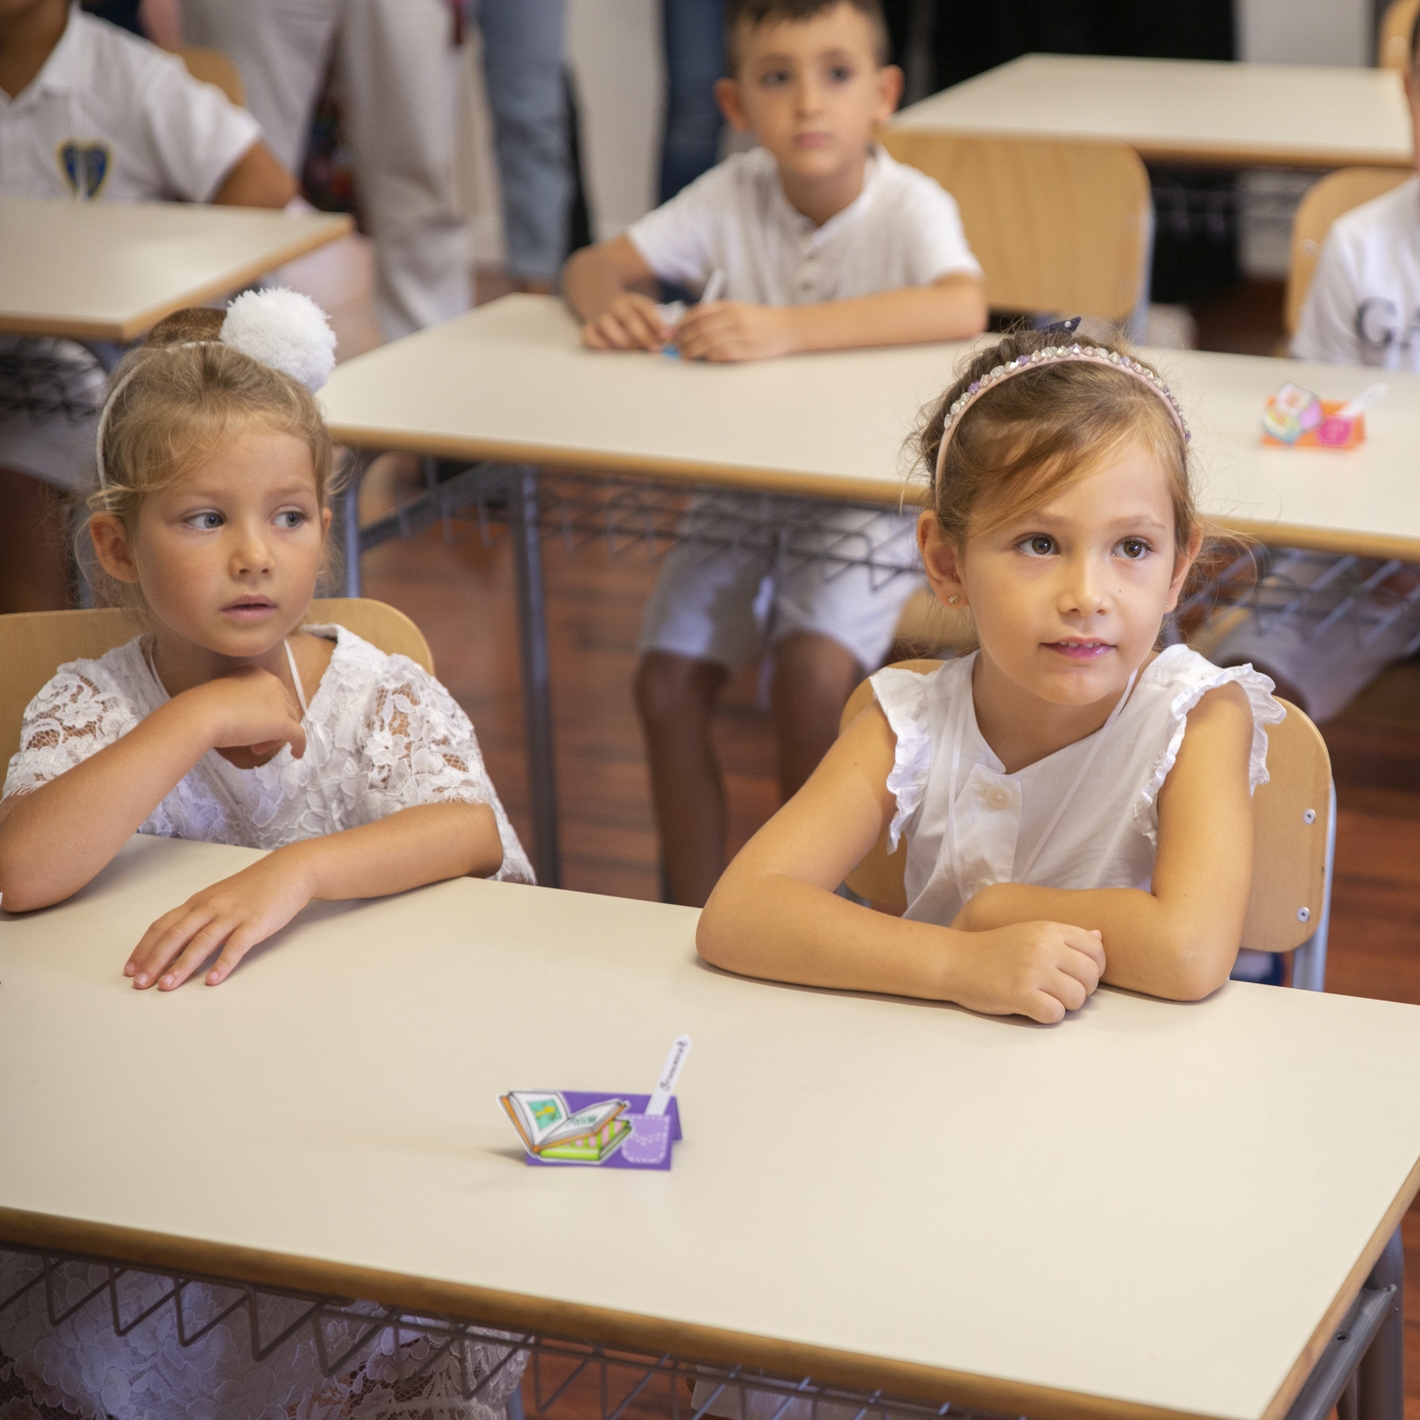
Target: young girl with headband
{"x": 230, "y": 720}
{"x": 1076, "y": 801}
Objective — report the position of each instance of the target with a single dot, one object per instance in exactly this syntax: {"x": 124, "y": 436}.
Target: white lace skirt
{"x": 83, "y": 1367}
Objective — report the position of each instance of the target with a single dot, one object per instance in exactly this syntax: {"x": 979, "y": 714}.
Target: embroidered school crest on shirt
{"x": 85, "y": 165}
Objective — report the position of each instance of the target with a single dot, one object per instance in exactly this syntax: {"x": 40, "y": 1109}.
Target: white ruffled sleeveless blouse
{"x": 1109, "y": 833}
{"x": 381, "y": 735}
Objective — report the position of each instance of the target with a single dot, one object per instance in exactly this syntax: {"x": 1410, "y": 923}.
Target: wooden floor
{"x": 461, "y": 592}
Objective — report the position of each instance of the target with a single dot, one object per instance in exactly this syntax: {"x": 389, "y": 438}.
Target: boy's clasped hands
{"x": 712, "y": 330}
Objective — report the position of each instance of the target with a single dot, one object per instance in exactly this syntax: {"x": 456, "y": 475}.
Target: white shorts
{"x": 50, "y": 392}
{"x": 727, "y": 603}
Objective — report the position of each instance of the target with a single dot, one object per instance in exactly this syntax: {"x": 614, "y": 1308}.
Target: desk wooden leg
{"x": 1381, "y": 1374}
{"x": 537, "y": 685}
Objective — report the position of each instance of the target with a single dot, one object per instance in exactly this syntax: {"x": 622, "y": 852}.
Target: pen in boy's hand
{"x": 670, "y": 1073}
{"x": 714, "y": 288}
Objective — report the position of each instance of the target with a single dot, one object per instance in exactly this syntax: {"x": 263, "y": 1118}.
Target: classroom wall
{"x": 615, "y": 54}
{"x": 1305, "y": 31}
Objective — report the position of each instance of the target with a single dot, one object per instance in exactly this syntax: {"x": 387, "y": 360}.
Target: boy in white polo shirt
{"x": 1364, "y": 304}
{"x": 818, "y": 241}
{"x": 89, "y": 112}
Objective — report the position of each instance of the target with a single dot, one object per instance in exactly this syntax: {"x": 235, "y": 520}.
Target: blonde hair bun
{"x": 283, "y": 330}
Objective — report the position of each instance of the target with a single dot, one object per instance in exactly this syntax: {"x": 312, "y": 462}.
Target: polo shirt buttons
{"x": 998, "y": 797}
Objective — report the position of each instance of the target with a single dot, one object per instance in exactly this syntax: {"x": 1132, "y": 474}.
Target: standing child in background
{"x": 230, "y": 722}
{"x": 1076, "y": 802}
{"x": 821, "y": 242}
{"x": 89, "y": 112}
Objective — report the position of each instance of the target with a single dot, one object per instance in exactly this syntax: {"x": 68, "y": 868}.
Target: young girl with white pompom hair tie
{"x": 229, "y": 720}
{"x": 1075, "y": 798}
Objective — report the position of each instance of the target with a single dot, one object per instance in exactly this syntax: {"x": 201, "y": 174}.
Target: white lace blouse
{"x": 381, "y": 735}
{"x": 1005, "y": 825}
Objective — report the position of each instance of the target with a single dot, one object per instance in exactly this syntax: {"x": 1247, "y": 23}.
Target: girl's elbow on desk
{"x": 1188, "y": 966}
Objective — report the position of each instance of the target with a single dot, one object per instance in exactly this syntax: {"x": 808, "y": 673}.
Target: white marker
{"x": 670, "y": 1073}
{"x": 1362, "y": 402}
{"x": 714, "y": 287}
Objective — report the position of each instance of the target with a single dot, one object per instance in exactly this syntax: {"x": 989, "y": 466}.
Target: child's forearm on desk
{"x": 55, "y": 839}
{"x": 952, "y": 309}
{"x": 1178, "y": 950}
{"x": 595, "y": 276}
{"x": 781, "y": 929}
{"x": 425, "y": 844}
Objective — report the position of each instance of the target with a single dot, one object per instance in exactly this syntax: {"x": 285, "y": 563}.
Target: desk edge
{"x": 140, "y": 322}
{"x": 143, "y": 1248}
{"x": 1350, "y": 1289}
{"x": 555, "y": 459}
{"x": 1360, "y": 544}
{"x": 1182, "y": 150}
{"x": 910, "y": 495}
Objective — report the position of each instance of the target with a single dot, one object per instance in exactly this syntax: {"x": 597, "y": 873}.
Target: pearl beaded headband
{"x": 1055, "y": 355}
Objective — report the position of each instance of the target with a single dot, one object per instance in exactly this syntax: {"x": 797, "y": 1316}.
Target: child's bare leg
{"x": 813, "y": 677}
{"x": 675, "y": 696}
{"x": 34, "y": 565}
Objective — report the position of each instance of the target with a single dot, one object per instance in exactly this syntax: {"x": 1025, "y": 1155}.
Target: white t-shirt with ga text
{"x": 902, "y": 229}
{"x": 115, "y": 118}
{"x": 1364, "y": 303}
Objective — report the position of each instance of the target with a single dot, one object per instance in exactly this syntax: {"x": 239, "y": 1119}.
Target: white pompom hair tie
{"x": 285, "y": 330}
{"x": 276, "y": 327}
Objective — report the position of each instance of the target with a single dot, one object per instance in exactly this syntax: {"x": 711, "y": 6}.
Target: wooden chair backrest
{"x": 1057, "y": 226}
{"x": 1334, "y": 195}
{"x": 211, "y": 66}
{"x": 34, "y": 644}
{"x": 1289, "y": 849}
{"x": 1393, "y": 45}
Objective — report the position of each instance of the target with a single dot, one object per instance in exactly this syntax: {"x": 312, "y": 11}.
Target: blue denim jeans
{"x": 522, "y": 65}
{"x": 694, "y": 37}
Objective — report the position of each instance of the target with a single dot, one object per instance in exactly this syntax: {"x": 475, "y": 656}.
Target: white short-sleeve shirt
{"x": 113, "y": 117}
{"x": 1110, "y": 833}
{"x": 901, "y": 230}
{"x": 1364, "y": 304}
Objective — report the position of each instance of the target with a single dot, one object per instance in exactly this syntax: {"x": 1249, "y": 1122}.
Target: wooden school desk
{"x": 1152, "y": 1210}
{"x": 113, "y": 270}
{"x": 511, "y": 381}
{"x": 1186, "y": 111}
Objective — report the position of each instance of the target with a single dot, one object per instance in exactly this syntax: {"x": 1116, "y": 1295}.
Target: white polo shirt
{"x": 1364, "y": 304}
{"x": 902, "y": 229}
{"x": 111, "y": 116}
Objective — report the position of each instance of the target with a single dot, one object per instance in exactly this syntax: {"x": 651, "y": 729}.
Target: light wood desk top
{"x": 113, "y": 270}
{"x": 1186, "y": 110}
{"x": 1153, "y": 1208}
{"x": 512, "y": 381}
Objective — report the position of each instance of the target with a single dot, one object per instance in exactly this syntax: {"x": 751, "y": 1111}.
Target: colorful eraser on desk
{"x": 1290, "y": 413}
{"x": 581, "y": 1128}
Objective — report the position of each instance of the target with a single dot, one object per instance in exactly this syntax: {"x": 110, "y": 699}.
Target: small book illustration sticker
{"x": 579, "y": 1127}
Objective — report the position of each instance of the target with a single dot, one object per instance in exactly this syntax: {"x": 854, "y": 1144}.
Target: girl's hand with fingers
{"x": 233, "y": 915}
{"x": 249, "y": 714}
{"x": 1036, "y": 969}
